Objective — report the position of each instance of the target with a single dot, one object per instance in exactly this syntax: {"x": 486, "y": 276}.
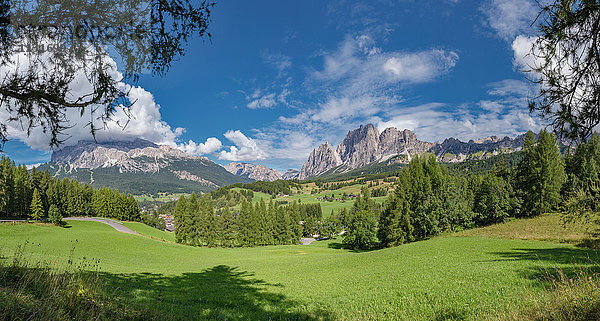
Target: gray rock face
{"x": 360, "y": 147}
{"x": 136, "y": 156}
{"x": 255, "y": 172}
{"x": 320, "y": 160}
{"x": 453, "y": 150}
{"x": 291, "y": 174}
{"x": 365, "y": 145}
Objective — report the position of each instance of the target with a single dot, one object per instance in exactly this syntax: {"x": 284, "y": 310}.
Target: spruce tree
{"x": 22, "y": 191}
{"x": 7, "y": 184}
{"x": 36, "y": 208}
{"x": 55, "y": 216}
{"x": 541, "y": 174}
{"x": 178, "y": 215}
{"x": 228, "y": 228}
{"x": 395, "y": 225}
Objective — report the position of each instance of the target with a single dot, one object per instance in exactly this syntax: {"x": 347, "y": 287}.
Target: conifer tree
{"x": 395, "y": 226}
{"x": 22, "y": 191}
{"x": 228, "y": 228}
{"x": 179, "y": 215}
{"x": 55, "y": 216}
{"x": 7, "y": 200}
{"x": 189, "y": 219}
{"x": 541, "y": 174}
{"x": 36, "y": 208}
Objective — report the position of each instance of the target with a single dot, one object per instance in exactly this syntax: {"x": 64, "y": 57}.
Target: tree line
{"x": 428, "y": 200}
{"x": 38, "y": 195}
{"x": 200, "y": 223}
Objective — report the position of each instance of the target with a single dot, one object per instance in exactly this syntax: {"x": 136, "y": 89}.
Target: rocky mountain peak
{"x": 253, "y": 171}
{"x": 128, "y": 156}
{"x": 320, "y": 160}
{"x": 360, "y": 146}
{"x": 291, "y": 174}
{"x": 364, "y": 146}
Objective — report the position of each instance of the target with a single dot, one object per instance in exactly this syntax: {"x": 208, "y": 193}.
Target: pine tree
{"x": 395, "y": 226}
{"x": 23, "y": 191}
{"x": 541, "y": 174}
{"x": 228, "y": 228}
{"x": 55, "y": 216}
{"x": 7, "y": 200}
{"x": 178, "y": 215}
{"x": 37, "y": 208}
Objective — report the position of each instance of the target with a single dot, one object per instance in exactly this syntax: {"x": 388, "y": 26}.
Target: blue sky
{"x": 281, "y": 77}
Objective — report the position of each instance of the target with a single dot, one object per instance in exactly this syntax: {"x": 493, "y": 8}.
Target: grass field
{"x": 307, "y": 198}
{"x": 468, "y": 277}
{"x": 150, "y": 231}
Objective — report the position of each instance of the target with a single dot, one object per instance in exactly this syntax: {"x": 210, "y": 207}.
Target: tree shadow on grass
{"x": 560, "y": 263}
{"x": 218, "y": 293}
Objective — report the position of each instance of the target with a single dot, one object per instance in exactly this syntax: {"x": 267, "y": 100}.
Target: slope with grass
{"x": 547, "y": 227}
{"x": 442, "y": 278}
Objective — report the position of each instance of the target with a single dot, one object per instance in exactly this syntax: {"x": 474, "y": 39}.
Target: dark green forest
{"x": 38, "y": 195}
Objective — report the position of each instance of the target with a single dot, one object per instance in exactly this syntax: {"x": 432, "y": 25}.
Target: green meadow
{"x": 455, "y": 277}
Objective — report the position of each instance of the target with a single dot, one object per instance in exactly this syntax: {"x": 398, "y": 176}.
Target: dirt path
{"x": 116, "y": 225}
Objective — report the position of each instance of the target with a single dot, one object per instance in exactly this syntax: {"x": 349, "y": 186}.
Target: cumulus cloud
{"x": 244, "y": 149}
{"x": 433, "y": 122}
{"x": 524, "y": 60}
{"x": 142, "y": 120}
{"x": 510, "y": 18}
{"x": 211, "y": 145}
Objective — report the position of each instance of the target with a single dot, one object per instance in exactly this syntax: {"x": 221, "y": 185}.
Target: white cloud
{"x": 524, "y": 58}
{"x": 245, "y": 148}
{"x": 335, "y": 110}
{"x": 142, "y": 120}
{"x": 280, "y": 61}
{"x": 361, "y": 80}
{"x": 262, "y": 101}
{"x": 357, "y": 83}
{"x": 510, "y": 18}
{"x": 211, "y": 145}
{"x": 510, "y": 87}
{"x": 433, "y": 122}
{"x": 358, "y": 63}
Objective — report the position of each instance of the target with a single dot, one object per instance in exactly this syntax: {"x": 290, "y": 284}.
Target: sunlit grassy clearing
{"x": 469, "y": 276}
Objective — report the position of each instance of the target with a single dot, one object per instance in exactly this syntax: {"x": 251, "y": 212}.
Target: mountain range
{"x": 365, "y": 146}
{"x": 141, "y": 167}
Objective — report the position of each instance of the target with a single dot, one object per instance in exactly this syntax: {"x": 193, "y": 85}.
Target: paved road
{"x": 307, "y": 240}
{"x": 116, "y": 225}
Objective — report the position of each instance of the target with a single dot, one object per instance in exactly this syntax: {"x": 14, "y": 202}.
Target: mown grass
{"x": 150, "y": 231}
{"x": 443, "y": 278}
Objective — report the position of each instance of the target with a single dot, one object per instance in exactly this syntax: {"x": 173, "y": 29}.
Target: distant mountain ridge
{"x": 365, "y": 145}
{"x": 255, "y": 172}
{"x": 139, "y": 167}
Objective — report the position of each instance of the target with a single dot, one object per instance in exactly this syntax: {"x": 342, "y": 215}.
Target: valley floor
{"x": 475, "y": 276}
